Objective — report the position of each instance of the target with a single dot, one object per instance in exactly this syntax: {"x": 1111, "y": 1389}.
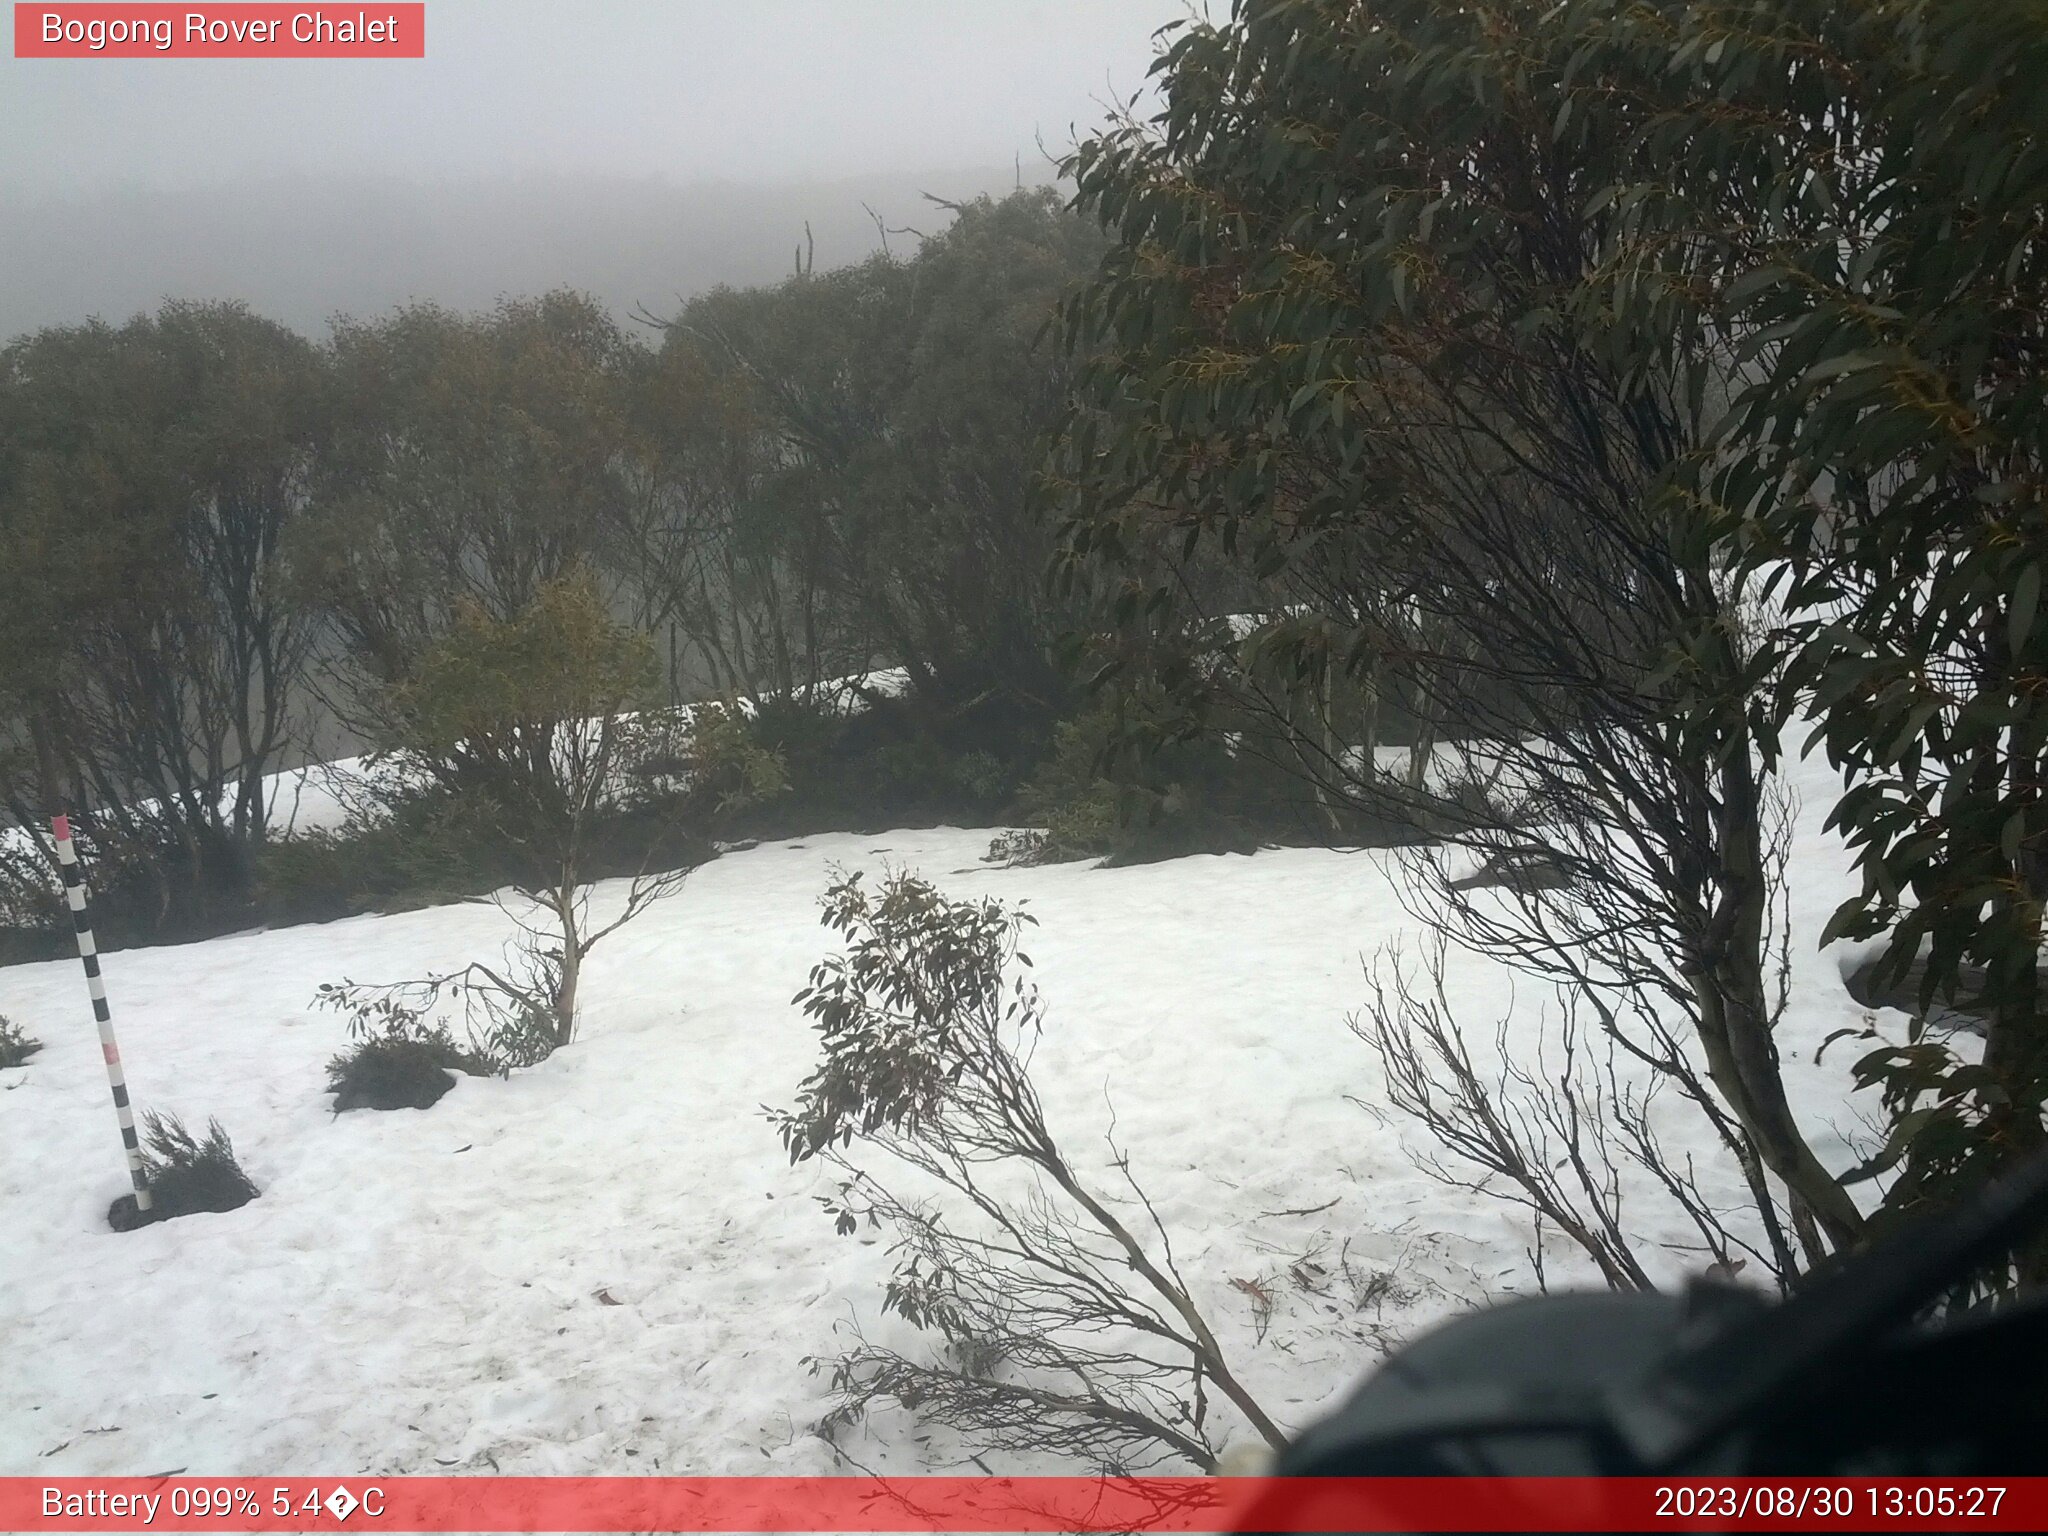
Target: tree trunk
{"x": 1735, "y": 1013}
{"x": 1369, "y": 723}
{"x": 572, "y": 965}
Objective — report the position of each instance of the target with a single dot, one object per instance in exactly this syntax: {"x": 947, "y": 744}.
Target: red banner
{"x": 360, "y": 31}
{"x": 1025, "y": 1504}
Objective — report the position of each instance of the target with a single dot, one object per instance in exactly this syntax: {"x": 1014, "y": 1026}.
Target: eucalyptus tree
{"x": 152, "y": 658}
{"x": 1866, "y": 183}
{"x": 476, "y": 460}
{"x": 1369, "y": 334}
{"x": 904, "y": 400}
{"x": 1627, "y": 376}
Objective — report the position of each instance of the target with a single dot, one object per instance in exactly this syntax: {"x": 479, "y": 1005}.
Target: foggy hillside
{"x": 301, "y": 250}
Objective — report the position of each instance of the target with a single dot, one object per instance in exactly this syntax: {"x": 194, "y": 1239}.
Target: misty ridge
{"x": 302, "y": 250}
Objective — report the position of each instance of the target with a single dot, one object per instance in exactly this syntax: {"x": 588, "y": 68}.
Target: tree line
{"x": 230, "y": 548}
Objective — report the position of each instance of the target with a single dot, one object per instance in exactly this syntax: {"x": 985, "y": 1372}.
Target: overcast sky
{"x": 742, "y": 90}
{"x": 639, "y": 150}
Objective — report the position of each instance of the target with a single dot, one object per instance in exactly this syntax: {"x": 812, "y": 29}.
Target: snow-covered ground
{"x": 606, "y": 1264}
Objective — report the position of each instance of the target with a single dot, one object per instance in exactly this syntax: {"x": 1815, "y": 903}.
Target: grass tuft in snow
{"x": 185, "y": 1175}
{"x": 399, "y": 1071}
{"x": 16, "y": 1045}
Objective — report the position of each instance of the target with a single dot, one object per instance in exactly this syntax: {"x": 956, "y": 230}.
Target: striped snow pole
{"x": 88, "y": 952}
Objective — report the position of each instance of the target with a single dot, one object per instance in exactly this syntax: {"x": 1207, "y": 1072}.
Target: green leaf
{"x": 1848, "y": 1032}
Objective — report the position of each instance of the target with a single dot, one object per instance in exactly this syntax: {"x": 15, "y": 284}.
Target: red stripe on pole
{"x": 1025, "y": 1504}
{"x": 74, "y": 882}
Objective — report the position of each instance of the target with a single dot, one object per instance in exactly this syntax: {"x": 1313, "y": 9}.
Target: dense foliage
{"x": 148, "y": 653}
{"x": 231, "y": 550}
{"x": 1632, "y": 380}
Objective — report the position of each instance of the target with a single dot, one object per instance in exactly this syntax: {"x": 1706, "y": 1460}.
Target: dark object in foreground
{"x": 1842, "y": 1377}
{"x": 1968, "y": 1008}
{"x": 185, "y": 1175}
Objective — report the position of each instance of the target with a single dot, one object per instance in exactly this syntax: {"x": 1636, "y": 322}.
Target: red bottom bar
{"x": 1025, "y": 1504}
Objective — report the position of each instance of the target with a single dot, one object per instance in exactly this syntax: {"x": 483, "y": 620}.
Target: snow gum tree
{"x": 477, "y": 459}
{"x": 1390, "y": 367}
{"x": 1628, "y": 380}
{"x": 547, "y": 712}
{"x": 1066, "y": 1321}
{"x": 546, "y": 717}
{"x": 902, "y": 403}
{"x": 151, "y": 658}
{"x": 1862, "y": 185}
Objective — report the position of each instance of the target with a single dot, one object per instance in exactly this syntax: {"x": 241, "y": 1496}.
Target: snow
{"x": 315, "y": 798}
{"x": 606, "y": 1263}
{"x": 321, "y": 797}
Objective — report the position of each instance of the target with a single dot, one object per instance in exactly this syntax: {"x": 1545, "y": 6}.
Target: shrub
{"x": 425, "y": 847}
{"x": 803, "y": 730}
{"x": 1071, "y": 801}
{"x": 919, "y": 772}
{"x": 34, "y": 924}
{"x": 401, "y": 1057}
{"x": 184, "y": 1175}
{"x": 431, "y": 845}
{"x": 399, "y": 1070}
{"x": 1021, "y": 847}
{"x": 730, "y": 763}
{"x": 1094, "y": 802}
{"x": 151, "y": 884}
{"x": 16, "y": 1046}
{"x": 888, "y": 761}
{"x": 1182, "y": 750}
{"x": 520, "y": 1027}
{"x": 22, "y": 945}
{"x": 1058, "y": 1318}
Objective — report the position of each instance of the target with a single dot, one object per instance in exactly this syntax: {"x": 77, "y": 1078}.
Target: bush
{"x": 426, "y": 847}
{"x": 784, "y": 766}
{"x": 919, "y": 772}
{"x": 400, "y": 1059}
{"x": 16, "y": 1046}
{"x": 1074, "y": 806}
{"x": 34, "y": 923}
{"x": 1021, "y": 847}
{"x": 399, "y": 1070}
{"x": 729, "y": 762}
{"x": 1139, "y": 776}
{"x": 1054, "y": 1325}
{"x": 149, "y": 885}
{"x": 25, "y": 945}
{"x": 890, "y": 761}
{"x": 434, "y": 845}
{"x": 184, "y": 1175}
{"x": 1094, "y": 802}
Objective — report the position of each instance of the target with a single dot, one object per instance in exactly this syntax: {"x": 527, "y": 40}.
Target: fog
{"x": 301, "y": 249}
{"x": 641, "y": 151}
